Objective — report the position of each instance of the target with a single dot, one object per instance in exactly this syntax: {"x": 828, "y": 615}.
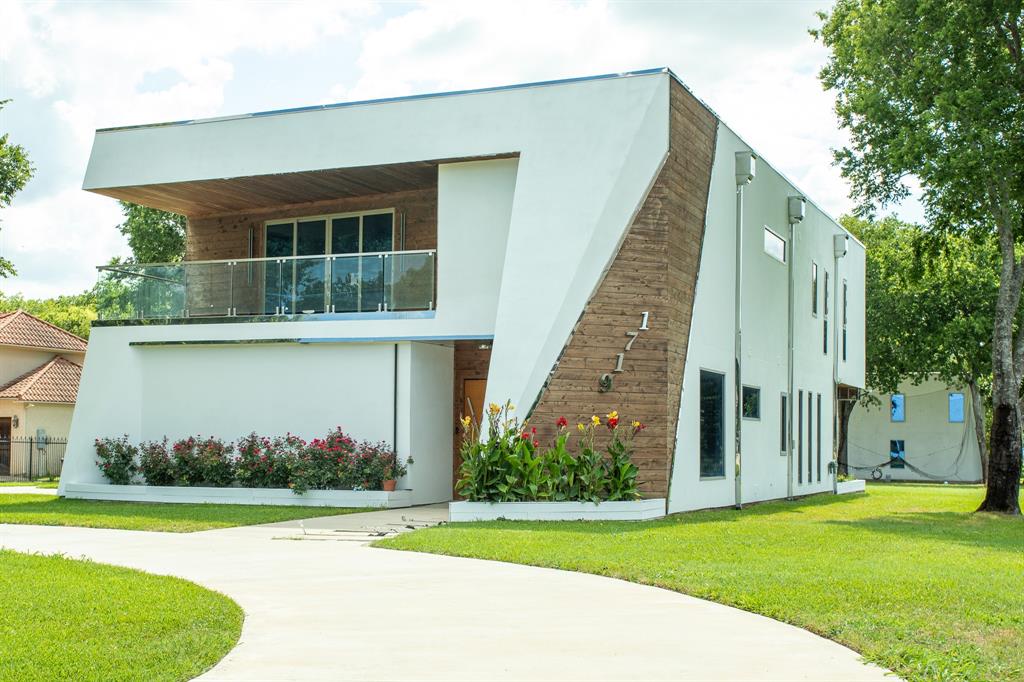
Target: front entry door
{"x": 471, "y": 401}
{"x": 473, "y": 391}
{"x": 5, "y": 446}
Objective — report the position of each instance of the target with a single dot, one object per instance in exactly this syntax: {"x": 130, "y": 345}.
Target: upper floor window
{"x": 898, "y": 407}
{"x": 814, "y": 288}
{"x": 824, "y": 299}
{"x": 751, "y": 402}
{"x": 774, "y": 245}
{"x": 845, "y": 310}
{"x": 365, "y": 232}
{"x": 956, "y": 407}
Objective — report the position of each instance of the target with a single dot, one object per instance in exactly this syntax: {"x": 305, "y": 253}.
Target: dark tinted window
{"x": 712, "y": 424}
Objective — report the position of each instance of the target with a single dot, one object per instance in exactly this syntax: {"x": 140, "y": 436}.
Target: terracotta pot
{"x": 389, "y": 485}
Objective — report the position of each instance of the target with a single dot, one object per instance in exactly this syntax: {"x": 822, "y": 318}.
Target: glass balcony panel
{"x": 249, "y": 280}
{"x": 309, "y": 285}
{"x": 371, "y": 283}
{"x": 207, "y": 288}
{"x": 345, "y": 284}
{"x": 410, "y": 281}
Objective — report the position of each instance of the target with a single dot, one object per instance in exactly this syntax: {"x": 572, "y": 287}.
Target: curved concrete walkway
{"x": 321, "y": 609}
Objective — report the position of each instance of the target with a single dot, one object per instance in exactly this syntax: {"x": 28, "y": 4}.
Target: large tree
{"x": 154, "y": 236}
{"x": 74, "y": 313}
{"x": 15, "y": 172}
{"x": 929, "y": 309}
{"x": 934, "y": 90}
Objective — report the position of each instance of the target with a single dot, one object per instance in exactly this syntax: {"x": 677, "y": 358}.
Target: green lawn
{"x": 37, "y": 484}
{"x": 48, "y": 510}
{"x": 63, "y": 619}
{"x": 905, "y": 574}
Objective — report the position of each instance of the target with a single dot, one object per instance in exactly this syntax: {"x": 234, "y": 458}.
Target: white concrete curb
{"x": 274, "y": 496}
{"x": 844, "y": 487}
{"x": 639, "y": 510}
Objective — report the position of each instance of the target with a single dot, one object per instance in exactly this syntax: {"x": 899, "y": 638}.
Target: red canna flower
{"x": 612, "y": 423}
{"x": 562, "y": 422}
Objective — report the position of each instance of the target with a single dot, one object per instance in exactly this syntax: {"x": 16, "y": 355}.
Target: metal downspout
{"x": 795, "y": 206}
{"x": 745, "y": 168}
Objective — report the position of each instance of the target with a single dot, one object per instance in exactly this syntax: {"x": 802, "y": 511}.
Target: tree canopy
{"x": 73, "y": 313}
{"x": 934, "y": 90}
{"x": 15, "y": 172}
{"x": 154, "y": 236}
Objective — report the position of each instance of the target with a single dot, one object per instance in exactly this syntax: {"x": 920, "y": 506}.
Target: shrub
{"x": 264, "y": 462}
{"x": 155, "y": 463}
{"x": 509, "y": 466}
{"x": 375, "y": 463}
{"x": 117, "y": 459}
{"x": 325, "y": 464}
{"x": 198, "y": 462}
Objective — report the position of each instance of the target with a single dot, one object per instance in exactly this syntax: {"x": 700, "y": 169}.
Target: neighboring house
{"x": 40, "y": 367}
{"x": 570, "y": 246}
{"x": 922, "y": 433}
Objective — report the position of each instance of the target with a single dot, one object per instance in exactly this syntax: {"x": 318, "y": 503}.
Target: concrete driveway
{"x": 321, "y": 608}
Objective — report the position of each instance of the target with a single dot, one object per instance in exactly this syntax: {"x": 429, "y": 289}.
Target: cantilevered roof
{"x": 53, "y": 382}
{"x": 22, "y": 329}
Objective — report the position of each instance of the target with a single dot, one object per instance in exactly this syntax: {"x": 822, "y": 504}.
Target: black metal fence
{"x": 27, "y": 459}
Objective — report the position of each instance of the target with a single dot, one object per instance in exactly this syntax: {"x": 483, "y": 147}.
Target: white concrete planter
{"x": 638, "y": 510}
{"x": 277, "y": 496}
{"x": 844, "y": 487}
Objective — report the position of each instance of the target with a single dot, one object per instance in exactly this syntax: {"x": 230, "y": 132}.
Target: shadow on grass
{"x": 976, "y": 530}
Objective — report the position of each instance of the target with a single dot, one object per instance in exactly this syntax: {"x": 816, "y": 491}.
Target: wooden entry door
{"x": 471, "y": 402}
{"x": 473, "y": 391}
{"x": 5, "y": 446}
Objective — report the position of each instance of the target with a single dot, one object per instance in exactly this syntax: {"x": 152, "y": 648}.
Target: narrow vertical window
{"x": 824, "y": 300}
{"x": 800, "y": 437}
{"x": 819, "y": 438}
{"x": 810, "y": 434}
{"x": 814, "y": 288}
{"x": 956, "y": 408}
{"x": 712, "y": 424}
{"x": 784, "y": 424}
{"x": 898, "y": 407}
{"x": 751, "y": 402}
{"x": 844, "y": 319}
{"x": 824, "y": 336}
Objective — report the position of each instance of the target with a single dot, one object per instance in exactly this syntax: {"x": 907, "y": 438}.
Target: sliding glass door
{"x": 349, "y": 277}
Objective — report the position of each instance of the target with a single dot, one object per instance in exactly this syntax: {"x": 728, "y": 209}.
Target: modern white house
{"x": 573, "y": 246}
{"x": 924, "y": 432}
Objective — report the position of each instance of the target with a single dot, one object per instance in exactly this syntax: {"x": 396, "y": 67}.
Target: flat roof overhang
{"x": 196, "y": 198}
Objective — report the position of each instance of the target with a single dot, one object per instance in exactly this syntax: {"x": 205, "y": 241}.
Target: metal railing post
{"x": 30, "y": 458}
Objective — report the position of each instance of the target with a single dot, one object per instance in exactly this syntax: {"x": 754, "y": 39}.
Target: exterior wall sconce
{"x": 14, "y": 421}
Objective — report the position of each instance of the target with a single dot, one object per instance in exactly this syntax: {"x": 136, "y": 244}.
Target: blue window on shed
{"x": 897, "y": 454}
{"x": 956, "y": 407}
{"x": 898, "y": 407}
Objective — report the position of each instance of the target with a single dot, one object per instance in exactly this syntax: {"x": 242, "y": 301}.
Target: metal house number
{"x": 605, "y": 382}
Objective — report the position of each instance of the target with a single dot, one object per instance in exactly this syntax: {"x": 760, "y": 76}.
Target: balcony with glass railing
{"x": 386, "y": 282}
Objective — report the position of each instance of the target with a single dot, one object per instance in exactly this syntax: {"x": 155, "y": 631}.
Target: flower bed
{"x": 335, "y": 462}
{"x": 509, "y": 465}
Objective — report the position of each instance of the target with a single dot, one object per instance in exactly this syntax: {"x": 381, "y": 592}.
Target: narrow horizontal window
{"x": 774, "y": 245}
{"x": 956, "y": 407}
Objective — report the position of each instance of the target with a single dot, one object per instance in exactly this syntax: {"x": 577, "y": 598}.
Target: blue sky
{"x": 73, "y": 67}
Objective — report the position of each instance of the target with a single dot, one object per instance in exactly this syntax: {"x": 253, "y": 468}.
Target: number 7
{"x": 632, "y": 337}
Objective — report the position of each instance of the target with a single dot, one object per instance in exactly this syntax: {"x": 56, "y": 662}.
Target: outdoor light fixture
{"x": 14, "y": 421}
{"x": 484, "y": 346}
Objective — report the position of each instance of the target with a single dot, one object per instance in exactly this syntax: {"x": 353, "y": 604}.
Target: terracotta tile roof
{"x": 21, "y": 329}
{"x": 53, "y": 382}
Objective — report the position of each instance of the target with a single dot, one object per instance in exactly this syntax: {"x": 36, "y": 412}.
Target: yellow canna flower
{"x": 580, "y": 427}
{"x": 466, "y": 421}
{"x": 595, "y": 420}
{"x": 636, "y": 425}
{"x": 494, "y": 408}
{"x": 511, "y": 407}
{"x": 614, "y": 414}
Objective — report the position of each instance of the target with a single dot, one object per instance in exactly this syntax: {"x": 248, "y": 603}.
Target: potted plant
{"x": 393, "y": 470}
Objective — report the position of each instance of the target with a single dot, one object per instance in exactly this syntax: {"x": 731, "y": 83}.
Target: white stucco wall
{"x": 765, "y": 333}
{"x": 588, "y": 152}
{"x": 16, "y": 361}
{"x": 940, "y": 449}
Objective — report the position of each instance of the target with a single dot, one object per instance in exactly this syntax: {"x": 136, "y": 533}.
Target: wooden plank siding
{"x": 656, "y": 271}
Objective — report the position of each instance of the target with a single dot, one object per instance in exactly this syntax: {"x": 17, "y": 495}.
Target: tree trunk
{"x": 978, "y": 410}
{"x": 1003, "y": 486}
